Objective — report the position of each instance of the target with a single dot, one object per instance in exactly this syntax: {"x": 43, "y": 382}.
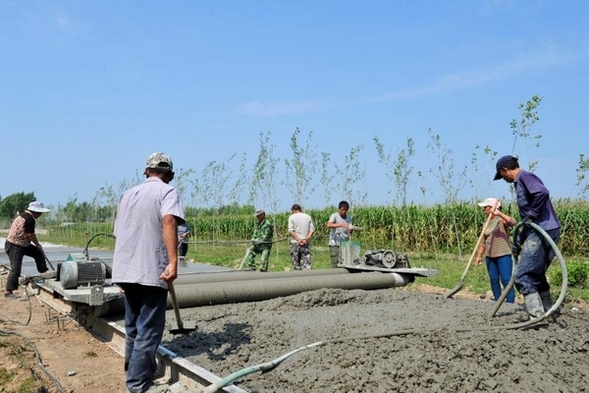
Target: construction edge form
{"x": 98, "y": 308}
{"x": 176, "y": 368}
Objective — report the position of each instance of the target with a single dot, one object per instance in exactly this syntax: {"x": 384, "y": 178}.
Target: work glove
{"x": 527, "y": 221}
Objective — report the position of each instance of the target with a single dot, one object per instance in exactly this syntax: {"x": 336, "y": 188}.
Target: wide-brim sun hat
{"x": 37, "y": 207}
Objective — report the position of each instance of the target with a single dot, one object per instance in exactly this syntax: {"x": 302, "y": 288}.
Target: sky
{"x": 89, "y": 89}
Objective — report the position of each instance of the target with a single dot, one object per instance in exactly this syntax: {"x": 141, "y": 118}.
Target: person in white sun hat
{"x": 22, "y": 241}
{"x": 497, "y": 248}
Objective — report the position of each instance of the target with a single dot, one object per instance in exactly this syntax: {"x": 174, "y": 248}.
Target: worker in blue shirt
{"x": 533, "y": 200}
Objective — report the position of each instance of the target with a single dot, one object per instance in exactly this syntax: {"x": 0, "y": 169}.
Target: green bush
{"x": 578, "y": 275}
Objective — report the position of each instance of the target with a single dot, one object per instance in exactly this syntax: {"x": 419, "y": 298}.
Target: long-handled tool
{"x": 476, "y": 247}
{"x": 181, "y": 328}
{"x": 47, "y": 260}
{"x": 244, "y": 258}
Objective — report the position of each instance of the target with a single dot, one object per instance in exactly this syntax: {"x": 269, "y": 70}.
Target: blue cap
{"x": 505, "y": 161}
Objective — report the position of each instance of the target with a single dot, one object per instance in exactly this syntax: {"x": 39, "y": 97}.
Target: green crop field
{"x": 441, "y": 237}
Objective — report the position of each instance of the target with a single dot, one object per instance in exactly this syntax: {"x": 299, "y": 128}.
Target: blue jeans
{"x": 534, "y": 260}
{"x": 145, "y": 319}
{"x": 499, "y": 274}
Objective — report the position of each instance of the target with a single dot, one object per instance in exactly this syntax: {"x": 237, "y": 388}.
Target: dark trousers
{"x": 16, "y": 254}
{"x": 183, "y": 249}
{"x": 534, "y": 260}
{"x": 335, "y": 256}
{"x": 145, "y": 320}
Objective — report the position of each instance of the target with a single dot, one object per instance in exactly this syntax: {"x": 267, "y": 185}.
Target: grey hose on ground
{"x": 269, "y": 366}
{"x": 37, "y": 358}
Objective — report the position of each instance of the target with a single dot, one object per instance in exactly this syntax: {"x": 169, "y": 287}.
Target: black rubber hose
{"x": 563, "y": 268}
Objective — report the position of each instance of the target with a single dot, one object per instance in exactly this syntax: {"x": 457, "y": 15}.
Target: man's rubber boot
{"x": 534, "y": 305}
{"x": 547, "y": 304}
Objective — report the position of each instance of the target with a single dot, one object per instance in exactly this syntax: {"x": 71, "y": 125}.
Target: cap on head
{"x": 490, "y": 202}
{"x": 259, "y": 212}
{"x": 159, "y": 160}
{"x": 37, "y": 207}
{"x": 505, "y": 161}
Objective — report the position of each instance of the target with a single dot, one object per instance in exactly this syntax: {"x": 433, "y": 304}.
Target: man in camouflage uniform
{"x": 261, "y": 241}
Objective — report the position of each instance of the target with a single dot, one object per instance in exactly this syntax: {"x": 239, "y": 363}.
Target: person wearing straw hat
{"x": 21, "y": 241}
{"x": 497, "y": 248}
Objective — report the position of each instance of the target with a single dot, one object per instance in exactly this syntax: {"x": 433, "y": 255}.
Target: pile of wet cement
{"x": 552, "y": 357}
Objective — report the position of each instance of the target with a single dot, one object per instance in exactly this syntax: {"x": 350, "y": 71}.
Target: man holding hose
{"x": 533, "y": 200}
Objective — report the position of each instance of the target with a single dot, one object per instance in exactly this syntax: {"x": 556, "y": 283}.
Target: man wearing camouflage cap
{"x": 145, "y": 261}
{"x": 261, "y": 242}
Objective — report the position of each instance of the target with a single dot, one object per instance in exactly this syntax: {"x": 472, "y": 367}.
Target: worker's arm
{"x": 34, "y": 240}
{"x": 331, "y": 224}
{"x": 170, "y": 235}
{"x": 480, "y": 253}
{"x": 507, "y": 220}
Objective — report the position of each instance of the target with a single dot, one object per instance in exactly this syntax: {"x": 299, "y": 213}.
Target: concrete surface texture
{"x": 552, "y": 357}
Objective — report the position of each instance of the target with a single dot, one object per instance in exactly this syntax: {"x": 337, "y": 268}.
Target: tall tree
{"x": 264, "y": 178}
{"x": 352, "y": 173}
{"x": 582, "y": 181}
{"x": 327, "y": 177}
{"x": 398, "y": 170}
{"x": 300, "y": 169}
{"x": 522, "y": 128}
{"x": 14, "y": 203}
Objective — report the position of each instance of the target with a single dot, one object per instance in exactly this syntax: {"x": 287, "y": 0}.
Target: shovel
{"x": 244, "y": 258}
{"x": 48, "y": 261}
{"x": 476, "y": 247}
{"x": 181, "y": 329}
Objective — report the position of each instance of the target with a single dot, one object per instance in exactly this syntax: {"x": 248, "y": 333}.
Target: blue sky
{"x": 89, "y": 89}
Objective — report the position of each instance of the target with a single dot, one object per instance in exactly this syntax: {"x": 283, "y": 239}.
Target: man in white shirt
{"x": 301, "y": 229}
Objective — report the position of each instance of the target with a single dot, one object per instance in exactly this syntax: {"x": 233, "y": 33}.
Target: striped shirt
{"x": 496, "y": 236}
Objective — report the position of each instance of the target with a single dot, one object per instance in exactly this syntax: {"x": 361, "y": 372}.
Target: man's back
{"x": 140, "y": 255}
{"x": 300, "y": 223}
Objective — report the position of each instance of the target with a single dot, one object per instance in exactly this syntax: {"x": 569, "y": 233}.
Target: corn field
{"x": 451, "y": 228}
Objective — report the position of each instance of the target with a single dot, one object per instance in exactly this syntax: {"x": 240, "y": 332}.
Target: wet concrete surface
{"x": 552, "y": 357}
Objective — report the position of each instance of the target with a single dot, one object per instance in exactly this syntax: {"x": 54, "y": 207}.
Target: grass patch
{"x": 5, "y": 376}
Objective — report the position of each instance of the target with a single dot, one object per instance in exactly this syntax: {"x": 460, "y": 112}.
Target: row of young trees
{"x": 233, "y": 185}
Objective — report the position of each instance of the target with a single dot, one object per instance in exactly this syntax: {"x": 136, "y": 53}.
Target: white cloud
{"x": 508, "y": 69}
